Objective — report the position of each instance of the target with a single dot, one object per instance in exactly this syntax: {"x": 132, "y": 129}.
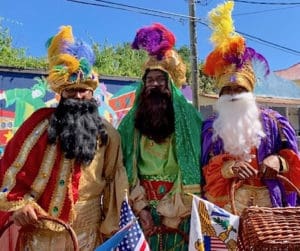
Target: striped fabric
{"x": 214, "y": 244}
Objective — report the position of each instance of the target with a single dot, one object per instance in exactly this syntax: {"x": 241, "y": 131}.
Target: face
{"x": 156, "y": 78}
{"x": 78, "y": 93}
{"x": 231, "y": 90}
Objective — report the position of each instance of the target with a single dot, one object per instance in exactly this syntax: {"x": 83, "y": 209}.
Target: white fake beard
{"x": 238, "y": 124}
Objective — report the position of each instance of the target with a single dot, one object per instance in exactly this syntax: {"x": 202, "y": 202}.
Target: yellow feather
{"x": 221, "y": 23}
{"x": 64, "y": 35}
{"x": 57, "y": 77}
{"x": 67, "y": 60}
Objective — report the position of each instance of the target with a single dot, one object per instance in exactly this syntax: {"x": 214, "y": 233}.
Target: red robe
{"x": 21, "y": 180}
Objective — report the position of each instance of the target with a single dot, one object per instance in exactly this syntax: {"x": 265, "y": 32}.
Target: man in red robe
{"x": 64, "y": 162}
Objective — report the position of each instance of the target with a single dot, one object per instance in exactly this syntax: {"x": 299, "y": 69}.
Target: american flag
{"x": 214, "y": 244}
{"x": 135, "y": 239}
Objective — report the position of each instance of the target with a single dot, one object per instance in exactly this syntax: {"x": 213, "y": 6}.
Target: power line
{"x": 262, "y": 11}
{"x": 119, "y": 8}
{"x": 267, "y": 3}
{"x": 143, "y": 9}
{"x": 170, "y": 15}
{"x": 271, "y": 44}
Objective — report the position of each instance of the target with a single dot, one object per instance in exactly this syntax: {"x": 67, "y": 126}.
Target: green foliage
{"x": 119, "y": 60}
{"x": 16, "y": 57}
{"x": 185, "y": 54}
{"x": 206, "y": 83}
{"x": 223, "y": 223}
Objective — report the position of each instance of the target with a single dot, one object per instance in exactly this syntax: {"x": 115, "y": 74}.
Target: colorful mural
{"x": 23, "y": 92}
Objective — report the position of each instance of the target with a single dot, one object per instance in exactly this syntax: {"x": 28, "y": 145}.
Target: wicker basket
{"x": 47, "y": 218}
{"x": 269, "y": 229}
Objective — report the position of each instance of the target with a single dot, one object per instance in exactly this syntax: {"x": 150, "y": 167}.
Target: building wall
{"x": 17, "y": 99}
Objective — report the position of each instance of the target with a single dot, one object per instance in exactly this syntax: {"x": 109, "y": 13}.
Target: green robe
{"x": 178, "y": 162}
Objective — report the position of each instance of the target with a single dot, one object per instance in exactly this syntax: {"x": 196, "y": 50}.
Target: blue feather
{"x": 81, "y": 50}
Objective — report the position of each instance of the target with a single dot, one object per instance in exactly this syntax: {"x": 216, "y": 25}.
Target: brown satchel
{"x": 268, "y": 229}
{"x": 47, "y": 218}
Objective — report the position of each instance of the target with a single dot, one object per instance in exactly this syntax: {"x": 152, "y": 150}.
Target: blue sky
{"x": 32, "y": 22}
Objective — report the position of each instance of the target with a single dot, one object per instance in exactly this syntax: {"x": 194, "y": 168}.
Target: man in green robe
{"x": 161, "y": 147}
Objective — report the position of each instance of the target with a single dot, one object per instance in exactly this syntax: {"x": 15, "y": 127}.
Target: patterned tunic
{"x": 34, "y": 172}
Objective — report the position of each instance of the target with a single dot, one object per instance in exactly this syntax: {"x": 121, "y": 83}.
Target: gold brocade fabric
{"x": 248, "y": 195}
{"x": 103, "y": 181}
{"x": 86, "y": 226}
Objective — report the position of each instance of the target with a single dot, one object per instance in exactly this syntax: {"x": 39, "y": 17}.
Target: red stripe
{"x": 14, "y": 145}
{"x": 28, "y": 172}
{"x": 66, "y": 209}
{"x": 75, "y": 181}
{"x": 144, "y": 246}
{"x": 217, "y": 245}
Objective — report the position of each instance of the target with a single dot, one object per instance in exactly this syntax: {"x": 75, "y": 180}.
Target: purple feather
{"x": 249, "y": 55}
{"x": 155, "y": 39}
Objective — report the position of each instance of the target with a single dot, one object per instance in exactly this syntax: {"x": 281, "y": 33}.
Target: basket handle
{"x": 238, "y": 183}
{"x": 44, "y": 217}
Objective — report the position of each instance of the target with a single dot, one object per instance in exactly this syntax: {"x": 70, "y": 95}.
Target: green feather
{"x": 85, "y": 67}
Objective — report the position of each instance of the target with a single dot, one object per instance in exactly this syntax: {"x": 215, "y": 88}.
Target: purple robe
{"x": 279, "y": 135}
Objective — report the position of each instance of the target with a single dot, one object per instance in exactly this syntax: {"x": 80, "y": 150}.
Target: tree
{"x": 120, "y": 60}
{"x": 206, "y": 83}
{"x": 185, "y": 54}
{"x": 10, "y": 56}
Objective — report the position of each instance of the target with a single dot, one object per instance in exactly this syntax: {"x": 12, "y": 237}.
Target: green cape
{"x": 188, "y": 124}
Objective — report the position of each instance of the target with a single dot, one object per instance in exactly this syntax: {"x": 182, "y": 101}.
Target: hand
{"x": 243, "y": 170}
{"x": 25, "y": 215}
{"x": 147, "y": 223}
{"x": 270, "y": 167}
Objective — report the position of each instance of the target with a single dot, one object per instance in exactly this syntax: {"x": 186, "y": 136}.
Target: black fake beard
{"x": 155, "y": 114}
{"x": 77, "y": 126}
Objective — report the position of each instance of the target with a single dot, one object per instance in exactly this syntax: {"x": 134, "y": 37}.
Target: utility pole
{"x": 194, "y": 57}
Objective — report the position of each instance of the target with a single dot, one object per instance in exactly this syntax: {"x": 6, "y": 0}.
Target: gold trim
{"x": 194, "y": 189}
{"x": 60, "y": 193}
{"x": 6, "y": 205}
{"x": 43, "y": 176}
{"x": 9, "y": 179}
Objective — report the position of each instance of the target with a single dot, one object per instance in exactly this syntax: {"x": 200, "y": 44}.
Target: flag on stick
{"x": 114, "y": 241}
{"x": 134, "y": 239}
{"x": 211, "y": 220}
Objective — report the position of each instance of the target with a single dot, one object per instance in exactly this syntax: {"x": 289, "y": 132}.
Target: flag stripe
{"x": 217, "y": 245}
{"x": 134, "y": 239}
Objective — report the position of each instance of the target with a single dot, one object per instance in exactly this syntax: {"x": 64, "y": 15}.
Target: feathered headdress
{"x": 158, "y": 41}
{"x": 231, "y": 61}
{"x": 70, "y": 62}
